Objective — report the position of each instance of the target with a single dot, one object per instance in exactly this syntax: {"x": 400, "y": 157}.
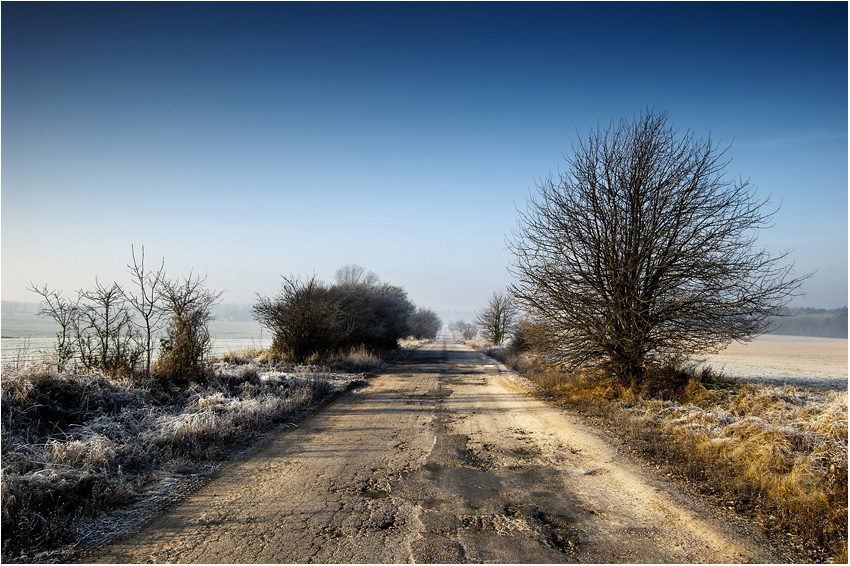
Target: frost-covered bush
{"x": 76, "y": 445}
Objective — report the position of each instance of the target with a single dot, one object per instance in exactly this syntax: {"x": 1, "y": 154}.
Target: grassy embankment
{"x": 77, "y": 446}
{"x": 775, "y": 454}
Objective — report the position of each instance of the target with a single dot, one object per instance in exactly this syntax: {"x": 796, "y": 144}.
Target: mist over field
{"x": 20, "y": 319}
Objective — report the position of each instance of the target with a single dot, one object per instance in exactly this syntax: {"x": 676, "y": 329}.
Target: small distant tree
{"x": 497, "y": 319}
{"x": 185, "y": 349}
{"x": 144, "y": 301}
{"x": 468, "y": 330}
{"x": 465, "y": 329}
{"x": 642, "y": 252}
{"x": 424, "y": 323}
{"x": 66, "y": 314}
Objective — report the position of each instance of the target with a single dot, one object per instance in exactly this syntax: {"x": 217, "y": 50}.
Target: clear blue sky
{"x": 250, "y": 141}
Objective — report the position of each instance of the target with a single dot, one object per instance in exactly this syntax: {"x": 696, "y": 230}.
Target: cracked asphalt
{"x": 441, "y": 459}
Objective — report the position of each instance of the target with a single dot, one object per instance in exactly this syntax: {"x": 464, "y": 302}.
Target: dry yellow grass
{"x": 777, "y": 453}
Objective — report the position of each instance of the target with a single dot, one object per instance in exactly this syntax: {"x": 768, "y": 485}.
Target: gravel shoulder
{"x": 442, "y": 458}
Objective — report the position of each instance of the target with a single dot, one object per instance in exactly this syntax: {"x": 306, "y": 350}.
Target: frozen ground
{"x": 819, "y": 363}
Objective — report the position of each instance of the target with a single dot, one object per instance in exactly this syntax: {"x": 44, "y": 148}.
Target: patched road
{"x": 442, "y": 458}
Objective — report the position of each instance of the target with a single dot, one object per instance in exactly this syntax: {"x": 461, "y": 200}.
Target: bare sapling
{"x": 65, "y": 313}
{"x": 145, "y": 301}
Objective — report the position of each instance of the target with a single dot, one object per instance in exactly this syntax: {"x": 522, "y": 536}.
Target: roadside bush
{"x": 110, "y": 330}
{"x": 377, "y": 314}
{"x": 185, "y": 349}
{"x": 305, "y": 318}
{"x": 424, "y": 323}
{"x": 314, "y": 321}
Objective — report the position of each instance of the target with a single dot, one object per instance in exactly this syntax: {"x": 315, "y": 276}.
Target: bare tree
{"x": 148, "y": 284}
{"x": 104, "y": 334}
{"x": 497, "y": 319}
{"x": 186, "y": 347}
{"x": 643, "y": 253}
{"x": 467, "y": 330}
{"x": 65, "y": 313}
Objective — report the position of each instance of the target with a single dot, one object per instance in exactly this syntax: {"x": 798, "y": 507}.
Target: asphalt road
{"x": 442, "y": 458}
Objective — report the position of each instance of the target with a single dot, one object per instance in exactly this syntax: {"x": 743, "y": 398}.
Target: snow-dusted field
{"x": 792, "y": 360}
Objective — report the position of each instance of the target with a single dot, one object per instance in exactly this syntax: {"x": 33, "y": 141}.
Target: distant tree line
{"x": 310, "y": 319}
{"x": 825, "y": 323}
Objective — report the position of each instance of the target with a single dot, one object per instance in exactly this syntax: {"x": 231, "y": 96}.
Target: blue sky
{"x": 250, "y": 141}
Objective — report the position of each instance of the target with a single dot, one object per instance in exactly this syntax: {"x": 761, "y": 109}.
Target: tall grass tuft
{"x": 357, "y": 359}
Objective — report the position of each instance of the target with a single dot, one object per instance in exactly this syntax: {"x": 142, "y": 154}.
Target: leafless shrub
{"x": 311, "y": 320}
{"x": 65, "y": 313}
{"x": 378, "y": 314}
{"x": 106, "y": 339}
{"x": 145, "y": 301}
{"x": 186, "y": 347}
{"x": 305, "y": 318}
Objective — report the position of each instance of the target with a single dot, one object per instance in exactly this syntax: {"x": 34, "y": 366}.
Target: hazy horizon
{"x": 251, "y": 141}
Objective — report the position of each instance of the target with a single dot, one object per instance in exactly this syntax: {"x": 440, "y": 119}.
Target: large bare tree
{"x": 642, "y": 252}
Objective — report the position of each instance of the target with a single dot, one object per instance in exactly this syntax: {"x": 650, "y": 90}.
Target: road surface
{"x": 442, "y": 458}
